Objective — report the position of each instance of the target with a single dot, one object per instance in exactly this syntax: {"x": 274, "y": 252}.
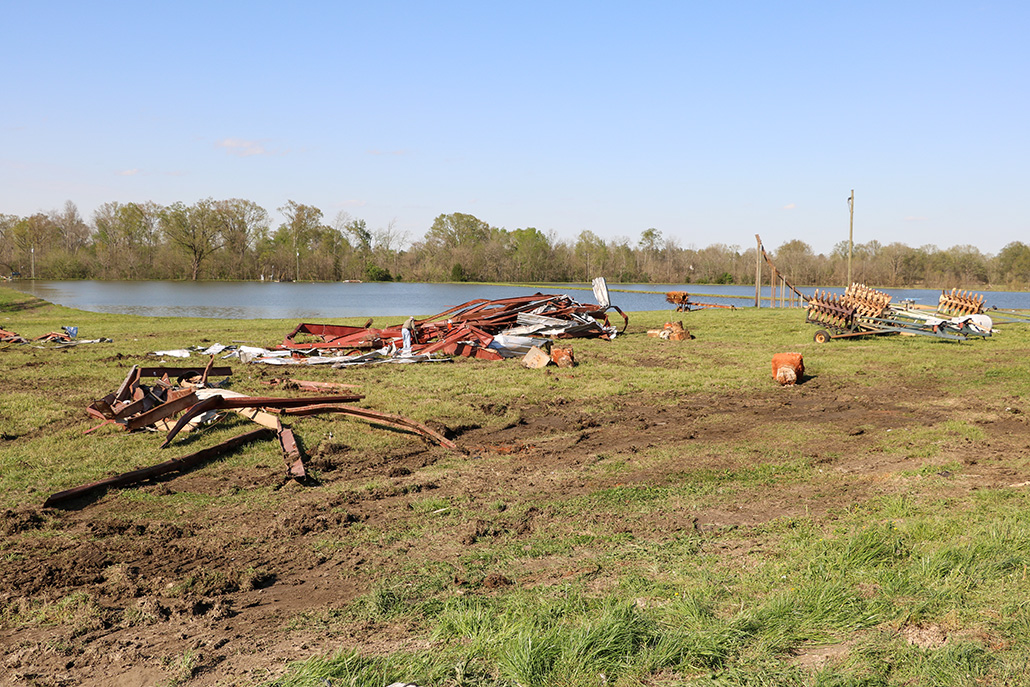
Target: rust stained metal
{"x": 11, "y": 337}
{"x": 334, "y": 336}
{"x": 230, "y": 403}
{"x": 162, "y": 411}
{"x": 52, "y": 337}
{"x": 101, "y": 407}
{"x": 291, "y": 452}
{"x": 207, "y": 370}
{"x": 183, "y": 372}
{"x": 395, "y": 421}
{"x": 464, "y": 340}
{"x": 173, "y": 465}
{"x": 465, "y": 329}
{"x": 142, "y": 406}
{"x": 125, "y": 410}
{"x": 126, "y": 388}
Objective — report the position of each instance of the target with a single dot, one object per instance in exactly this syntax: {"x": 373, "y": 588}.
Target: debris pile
{"x": 65, "y": 337}
{"x": 481, "y": 328}
{"x": 11, "y": 337}
{"x": 484, "y": 329}
{"x": 863, "y": 311}
{"x": 187, "y": 393}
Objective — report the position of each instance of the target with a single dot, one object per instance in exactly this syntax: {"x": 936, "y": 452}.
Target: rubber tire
{"x": 822, "y": 336}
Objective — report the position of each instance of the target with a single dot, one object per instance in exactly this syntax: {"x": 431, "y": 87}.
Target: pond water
{"x": 321, "y": 301}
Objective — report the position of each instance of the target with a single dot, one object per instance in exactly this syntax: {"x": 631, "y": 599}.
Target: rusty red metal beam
{"x": 128, "y": 385}
{"x": 173, "y": 465}
{"x": 395, "y": 421}
{"x": 207, "y": 370}
{"x": 291, "y": 452}
{"x": 229, "y": 403}
{"x": 182, "y": 372}
{"x": 161, "y": 412}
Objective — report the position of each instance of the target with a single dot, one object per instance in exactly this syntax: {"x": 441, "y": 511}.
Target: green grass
{"x": 862, "y": 583}
{"x": 727, "y": 605}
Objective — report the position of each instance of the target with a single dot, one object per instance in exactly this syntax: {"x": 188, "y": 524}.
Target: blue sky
{"x": 709, "y": 121}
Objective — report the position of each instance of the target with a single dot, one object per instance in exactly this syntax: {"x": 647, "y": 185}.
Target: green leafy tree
{"x": 244, "y": 224}
{"x": 1014, "y": 263}
{"x": 796, "y": 261}
{"x": 457, "y": 230}
{"x": 592, "y": 254}
{"x": 195, "y": 229}
{"x": 650, "y": 241}
{"x": 125, "y": 239}
{"x": 303, "y": 223}
{"x": 34, "y": 239}
{"x": 359, "y": 241}
{"x": 7, "y": 223}
{"x": 895, "y": 257}
{"x": 530, "y": 252}
{"x": 359, "y": 235}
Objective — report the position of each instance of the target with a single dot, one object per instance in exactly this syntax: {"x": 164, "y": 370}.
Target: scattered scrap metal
{"x": 863, "y": 311}
{"x": 65, "y": 337}
{"x": 484, "y": 329}
{"x": 11, "y": 337}
{"x": 187, "y": 393}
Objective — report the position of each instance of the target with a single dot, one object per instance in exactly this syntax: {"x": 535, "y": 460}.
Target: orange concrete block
{"x": 788, "y": 368}
{"x": 562, "y": 356}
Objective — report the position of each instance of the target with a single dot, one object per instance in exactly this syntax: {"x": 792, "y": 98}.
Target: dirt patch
{"x": 104, "y": 596}
{"x": 925, "y": 636}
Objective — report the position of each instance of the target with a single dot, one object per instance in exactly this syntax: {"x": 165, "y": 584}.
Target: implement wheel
{"x": 822, "y": 336}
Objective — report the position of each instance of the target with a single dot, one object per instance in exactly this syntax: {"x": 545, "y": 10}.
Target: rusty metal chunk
{"x": 292, "y": 453}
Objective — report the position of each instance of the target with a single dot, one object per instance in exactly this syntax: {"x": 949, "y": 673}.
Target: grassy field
{"x": 662, "y": 514}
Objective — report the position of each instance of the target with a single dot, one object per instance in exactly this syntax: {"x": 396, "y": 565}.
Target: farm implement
{"x": 863, "y": 311}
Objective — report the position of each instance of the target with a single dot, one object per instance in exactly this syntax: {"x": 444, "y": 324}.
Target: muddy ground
{"x": 254, "y": 571}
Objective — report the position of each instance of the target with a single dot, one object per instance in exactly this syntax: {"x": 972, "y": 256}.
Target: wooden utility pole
{"x": 851, "y": 233}
{"x": 758, "y": 271}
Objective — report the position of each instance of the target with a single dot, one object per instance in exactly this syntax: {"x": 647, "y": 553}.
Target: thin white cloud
{"x": 376, "y": 151}
{"x": 915, "y": 218}
{"x": 241, "y": 148}
{"x": 128, "y": 172}
{"x": 789, "y": 206}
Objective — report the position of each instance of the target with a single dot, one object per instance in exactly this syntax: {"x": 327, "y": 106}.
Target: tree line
{"x": 235, "y": 239}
